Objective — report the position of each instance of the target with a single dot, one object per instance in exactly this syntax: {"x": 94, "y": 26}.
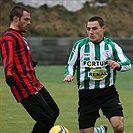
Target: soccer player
{"x": 20, "y": 73}
{"x": 97, "y": 59}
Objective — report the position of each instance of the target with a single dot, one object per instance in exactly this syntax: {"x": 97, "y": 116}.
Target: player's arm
{"x": 7, "y": 58}
{"x": 72, "y": 64}
{"x": 121, "y": 62}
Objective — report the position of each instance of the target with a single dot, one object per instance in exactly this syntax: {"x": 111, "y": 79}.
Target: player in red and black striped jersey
{"x": 20, "y": 73}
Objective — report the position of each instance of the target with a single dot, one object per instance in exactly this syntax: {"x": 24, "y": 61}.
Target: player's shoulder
{"x": 14, "y": 34}
{"x": 82, "y": 41}
{"x": 9, "y": 35}
{"x": 109, "y": 41}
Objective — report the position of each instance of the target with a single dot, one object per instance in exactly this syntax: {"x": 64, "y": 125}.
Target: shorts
{"x": 43, "y": 109}
{"x": 41, "y": 105}
{"x": 91, "y": 101}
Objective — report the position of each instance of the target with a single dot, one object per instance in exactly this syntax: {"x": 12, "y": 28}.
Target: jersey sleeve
{"x": 73, "y": 60}
{"x": 7, "y": 56}
{"x": 121, "y": 58}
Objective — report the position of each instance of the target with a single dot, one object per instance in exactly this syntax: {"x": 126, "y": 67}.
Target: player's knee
{"x": 119, "y": 128}
{"x": 117, "y": 124}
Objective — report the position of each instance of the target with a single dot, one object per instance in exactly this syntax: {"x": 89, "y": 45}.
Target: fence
{"x": 55, "y": 51}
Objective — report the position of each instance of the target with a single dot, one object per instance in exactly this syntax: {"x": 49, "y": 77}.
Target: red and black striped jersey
{"x": 17, "y": 62}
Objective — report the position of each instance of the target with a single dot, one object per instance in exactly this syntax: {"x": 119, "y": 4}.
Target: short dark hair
{"x": 99, "y": 19}
{"x": 17, "y": 11}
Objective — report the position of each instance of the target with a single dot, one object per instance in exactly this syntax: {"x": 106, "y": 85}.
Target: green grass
{"x": 14, "y": 119}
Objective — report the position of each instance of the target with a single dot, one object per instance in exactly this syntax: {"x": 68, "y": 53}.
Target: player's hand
{"x": 114, "y": 64}
{"x": 10, "y": 81}
{"x": 34, "y": 63}
{"x": 68, "y": 78}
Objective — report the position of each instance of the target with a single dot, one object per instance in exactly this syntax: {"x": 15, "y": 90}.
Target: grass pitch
{"x": 14, "y": 119}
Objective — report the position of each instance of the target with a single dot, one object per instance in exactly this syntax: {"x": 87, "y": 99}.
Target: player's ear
{"x": 104, "y": 28}
{"x": 16, "y": 19}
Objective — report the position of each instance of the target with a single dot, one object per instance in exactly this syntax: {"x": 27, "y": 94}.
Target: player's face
{"x": 24, "y": 22}
{"x": 95, "y": 31}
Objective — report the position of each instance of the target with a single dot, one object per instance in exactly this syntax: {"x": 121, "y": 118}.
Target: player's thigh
{"x": 36, "y": 106}
{"x": 50, "y": 101}
{"x": 87, "y": 120}
{"x": 88, "y": 109}
{"x": 112, "y": 107}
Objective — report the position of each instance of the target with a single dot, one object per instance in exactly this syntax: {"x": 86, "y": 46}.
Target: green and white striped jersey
{"x": 91, "y": 62}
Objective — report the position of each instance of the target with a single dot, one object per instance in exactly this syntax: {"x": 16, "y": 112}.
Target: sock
{"x": 98, "y": 130}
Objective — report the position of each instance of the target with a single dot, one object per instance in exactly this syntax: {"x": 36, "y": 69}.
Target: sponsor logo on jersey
{"x": 97, "y": 74}
{"x": 96, "y": 63}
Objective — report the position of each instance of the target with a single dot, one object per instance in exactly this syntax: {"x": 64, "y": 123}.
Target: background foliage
{"x": 58, "y": 22}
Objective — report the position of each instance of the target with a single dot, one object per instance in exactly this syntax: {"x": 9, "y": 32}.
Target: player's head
{"x": 20, "y": 18}
{"x": 96, "y": 29}
{"x": 17, "y": 11}
{"x": 98, "y": 19}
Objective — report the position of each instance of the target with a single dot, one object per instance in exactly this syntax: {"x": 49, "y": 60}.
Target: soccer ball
{"x": 58, "y": 129}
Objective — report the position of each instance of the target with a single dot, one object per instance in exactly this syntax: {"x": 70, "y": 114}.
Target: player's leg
{"x": 112, "y": 109}
{"x": 87, "y": 122}
{"x": 50, "y": 101}
{"x": 40, "y": 111}
{"x": 117, "y": 123}
{"x": 54, "y": 112}
{"x": 88, "y": 111}
{"x": 87, "y": 130}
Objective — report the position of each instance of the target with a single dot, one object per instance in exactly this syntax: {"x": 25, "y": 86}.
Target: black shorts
{"x": 91, "y": 101}
{"x": 41, "y": 104}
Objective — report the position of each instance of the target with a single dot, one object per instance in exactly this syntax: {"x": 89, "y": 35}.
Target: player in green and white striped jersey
{"x": 96, "y": 60}
{"x": 91, "y": 60}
